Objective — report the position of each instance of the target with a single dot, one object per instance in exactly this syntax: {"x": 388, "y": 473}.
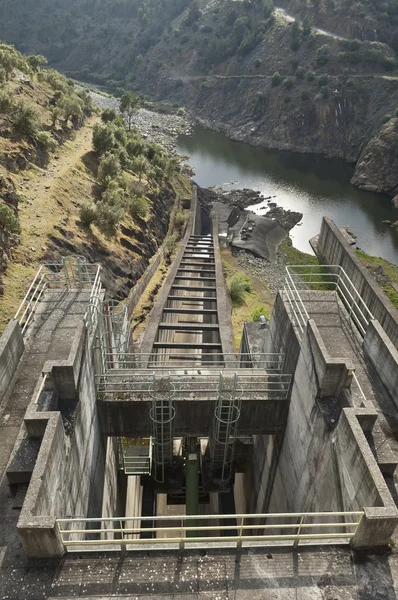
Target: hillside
{"x": 239, "y": 67}
{"x": 75, "y": 184}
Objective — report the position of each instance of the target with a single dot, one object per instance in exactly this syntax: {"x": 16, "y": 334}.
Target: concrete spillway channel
{"x": 188, "y": 333}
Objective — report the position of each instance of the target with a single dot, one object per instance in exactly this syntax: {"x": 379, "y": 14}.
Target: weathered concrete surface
{"x": 49, "y": 338}
{"x": 384, "y": 357}
{"x": 332, "y": 249}
{"x": 224, "y": 305}
{"x": 194, "y": 411}
{"x": 157, "y": 310}
{"x": 11, "y": 350}
{"x": 324, "y": 459}
{"x": 69, "y": 473}
{"x": 306, "y": 573}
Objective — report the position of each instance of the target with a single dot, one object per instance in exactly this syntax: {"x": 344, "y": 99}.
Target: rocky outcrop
{"x": 377, "y": 167}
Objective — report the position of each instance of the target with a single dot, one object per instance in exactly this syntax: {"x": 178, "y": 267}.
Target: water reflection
{"x": 307, "y": 183}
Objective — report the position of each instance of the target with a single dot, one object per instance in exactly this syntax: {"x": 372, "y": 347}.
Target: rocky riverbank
{"x": 156, "y": 127}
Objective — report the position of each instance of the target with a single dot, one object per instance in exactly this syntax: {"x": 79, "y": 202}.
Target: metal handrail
{"x": 140, "y": 360}
{"x": 120, "y": 383}
{"x": 52, "y": 275}
{"x": 298, "y": 278}
{"x": 179, "y": 525}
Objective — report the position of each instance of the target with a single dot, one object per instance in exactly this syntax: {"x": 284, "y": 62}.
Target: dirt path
{"x": 50, "y": 200}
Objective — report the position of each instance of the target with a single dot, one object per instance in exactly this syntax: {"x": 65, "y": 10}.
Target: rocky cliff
{"x": 377, "y": 167}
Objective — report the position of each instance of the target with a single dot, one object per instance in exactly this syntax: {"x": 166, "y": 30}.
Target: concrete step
{"x": 192, "y": 298}
{"x": 188, "y": 326}
{"x": 23, "y": 460}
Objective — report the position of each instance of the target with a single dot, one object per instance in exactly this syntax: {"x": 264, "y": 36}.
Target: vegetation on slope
{"x": 385, "y": 273}
{"x": 50, "y": 174}
{"x": 255, "y": 296}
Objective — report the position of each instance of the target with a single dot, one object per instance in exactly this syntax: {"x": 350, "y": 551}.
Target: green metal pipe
{"x": 192, "y": 484}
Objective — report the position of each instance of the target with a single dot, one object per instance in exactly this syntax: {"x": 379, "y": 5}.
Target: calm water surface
{"x": 310, "y": 184}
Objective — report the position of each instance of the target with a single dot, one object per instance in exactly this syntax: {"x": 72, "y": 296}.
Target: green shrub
{"x": 238, "y": 285}
{"x": 300, "y": 73}
{"x": 396, "y": 112}
{"x": 108, "y": 115}
{"x": 8, "y": 219}
{"x": 311, "y": 76}
{"x": 386, "y": 118}
{"x": 276, "y": 79}
{"x": 103, "y": 138}
{"x": 6, "y": 102}
{"x": 180, "y": 220}
{"x": 108, "y": 218}
{"x": 108, "y": 168}
{"x": 46, "y": 140}
{"x": 113, "y": 195}
{"x": 87, "y": 214}
{"x": 138, "y": 207}
{"x": 25, "y": 119}
{"x": 305, "y": 95}
{"x": 288, "y": 83}
{"x": 257, "y": 312}
{"x": 170, "y": 244}
{"x": 324, "y": 92}
{"x": 3, "y": 75}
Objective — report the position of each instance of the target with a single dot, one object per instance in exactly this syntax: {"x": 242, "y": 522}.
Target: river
{"x": 308, "y": 183}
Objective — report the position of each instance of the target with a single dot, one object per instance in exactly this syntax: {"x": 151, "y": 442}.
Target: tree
{"x": 25, "y": 120}
{"x": 129, "y": 104}
{"x": 140, "y": 166}
{"x": 36, "y": 61}
{"x": 9, "y": 59}
{"x": 109, "y": 168}
{"x": 71, "y": 107}
{"x": 108, "y": 115}
{"x": 103, "y": 138}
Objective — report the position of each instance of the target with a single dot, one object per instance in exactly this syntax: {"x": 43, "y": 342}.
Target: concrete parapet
{"x": 67, "y": 478}
{"x": 282, "y": 336}
{"x": 40, "y": 538}
{"x": 384, "y": 357}
{"x": 376, "y": 527}
{"x": 332, "y": 374}
{"x": 11, "y": 350}
{"x": 332, "y": 248}
{"x": 224, "y": 304}
{"x": 65, "y": 373}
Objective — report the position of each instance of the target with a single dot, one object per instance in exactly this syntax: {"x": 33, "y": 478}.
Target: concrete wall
{"x": 193, "y": 416}
{"x": 384, "y": 357}
{"x": 321, "y": 465}
{"x": 69, "y": 473}
{"x": 224, "y": 304}
{"x": 138, "y": 289}
{"x": 11, "y": 350}
{"x": 157, "y": 310}
{"x": 332, "y": 248}
{"x": 281, "y": 336}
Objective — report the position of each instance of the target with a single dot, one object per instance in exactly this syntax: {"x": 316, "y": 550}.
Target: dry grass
{"x": 260, "y": 295}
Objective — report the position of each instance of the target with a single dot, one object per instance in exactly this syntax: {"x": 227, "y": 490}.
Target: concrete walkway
{"x": 342, "y": 340}
{"x": 49, "y": 338}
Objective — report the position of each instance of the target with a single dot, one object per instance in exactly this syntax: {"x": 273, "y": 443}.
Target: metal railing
{"x": 122, "y": 385}
{"x": 71, "y": 273}
{"x": 245, "y": 529}
{"x": 324, "y": 277}
{"x": 135, "y": 458}
{"x": 271, "y": 362}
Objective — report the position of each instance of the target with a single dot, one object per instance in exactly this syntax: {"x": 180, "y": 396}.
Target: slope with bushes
{"x": 71, "y": 182}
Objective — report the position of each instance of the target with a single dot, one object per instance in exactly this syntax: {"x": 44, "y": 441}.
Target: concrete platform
{"x": 342, "y": 340}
